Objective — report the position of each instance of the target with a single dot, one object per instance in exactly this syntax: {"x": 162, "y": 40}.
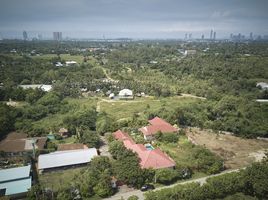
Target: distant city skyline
{"x": 133, "y": 18}
{"x": 211, "y": 35}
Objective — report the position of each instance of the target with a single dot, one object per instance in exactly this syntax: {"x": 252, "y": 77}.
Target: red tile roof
{"x": 157, "y": 124}
{"x": 157, "y": 121}
{"x": 155, "y": 158}
{"x": 120, "y": 135}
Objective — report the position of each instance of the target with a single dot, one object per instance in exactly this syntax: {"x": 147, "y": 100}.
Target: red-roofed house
{"x": 157, "y": 125}
{"x": 153, "y": 158}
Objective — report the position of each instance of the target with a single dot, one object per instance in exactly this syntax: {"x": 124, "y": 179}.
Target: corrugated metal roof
{"x": 16, "y": 187}
{"x": 65, "y": 158}
{"x": 14, "y": 173}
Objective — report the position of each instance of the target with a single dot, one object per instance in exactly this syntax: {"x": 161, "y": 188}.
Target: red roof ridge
{"x": 157, "y": 125}
{"x": 120, "y": 135}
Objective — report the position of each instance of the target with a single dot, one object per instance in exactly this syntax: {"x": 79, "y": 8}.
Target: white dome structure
{"x": 125, "y": 94}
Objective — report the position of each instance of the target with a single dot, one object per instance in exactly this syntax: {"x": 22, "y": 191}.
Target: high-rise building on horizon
{"x": 25, "y": 35}
{"x": 211, "y": 34}
{"x": 214, "y": 35}
{"x": 190, "y": 35}
{"x": 251, "y": 36}
{"x": 202, "y": 37}
{"x": 57, "y": 36}
{"x": 40, "y": 37}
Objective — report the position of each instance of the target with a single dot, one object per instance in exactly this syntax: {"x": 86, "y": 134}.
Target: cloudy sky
{"x": 133, "y": 18}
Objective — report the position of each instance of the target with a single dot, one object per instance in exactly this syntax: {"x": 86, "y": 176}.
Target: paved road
{"x": 141, "y": 196}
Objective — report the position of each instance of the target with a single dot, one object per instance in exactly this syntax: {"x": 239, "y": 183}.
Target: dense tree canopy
{"x": 250, "y": 182}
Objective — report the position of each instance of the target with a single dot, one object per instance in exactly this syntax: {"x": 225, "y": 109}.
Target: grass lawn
{"x": 180, "y": 152}
{"x": 59, "y": 179}
{"x": 184, "y": 154}
{"x": 68, "y": 140}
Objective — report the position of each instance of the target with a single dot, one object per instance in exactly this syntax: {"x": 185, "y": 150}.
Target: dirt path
{"x": 107, "y": 76}
{"x": 104, "y": 148}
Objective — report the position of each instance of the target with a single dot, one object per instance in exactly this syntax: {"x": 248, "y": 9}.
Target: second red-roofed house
{"x": 149, "y": 157}
{"x": 157, "y": 125}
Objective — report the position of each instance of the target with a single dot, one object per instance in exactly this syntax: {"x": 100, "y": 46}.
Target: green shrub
{"x": 167, "y": 176}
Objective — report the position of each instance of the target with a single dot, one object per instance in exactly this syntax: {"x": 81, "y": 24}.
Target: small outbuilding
{"x": 262, "y": 85}
{"x": 70, "y": 63}
{"x": 125, "y": 94}
{"x": 76, "y": 146}
{"x": 59, "y": 64}
{"x": 63, "y": 132}
{"x": 190, "y": 52}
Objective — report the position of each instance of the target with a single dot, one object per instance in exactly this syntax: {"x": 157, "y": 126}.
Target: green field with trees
{"x": 213, "y": 89}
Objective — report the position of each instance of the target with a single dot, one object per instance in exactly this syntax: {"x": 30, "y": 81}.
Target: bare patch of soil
{"x": 236, "y": 152}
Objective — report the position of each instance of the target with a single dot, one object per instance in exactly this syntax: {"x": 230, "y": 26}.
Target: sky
{"x": 132, "y": 18}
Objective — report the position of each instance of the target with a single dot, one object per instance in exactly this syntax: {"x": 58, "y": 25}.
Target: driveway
{"x": 104, "y": 148}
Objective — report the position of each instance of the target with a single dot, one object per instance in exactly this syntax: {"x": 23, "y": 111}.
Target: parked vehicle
{"x": 147, "y": 187}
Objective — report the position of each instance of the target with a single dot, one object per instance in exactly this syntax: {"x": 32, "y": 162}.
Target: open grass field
{"x": 237, "y": 152}
{"x": 66, "y": 57}
{"x": 117, "y": 109}
{"x": 125, "y": 109}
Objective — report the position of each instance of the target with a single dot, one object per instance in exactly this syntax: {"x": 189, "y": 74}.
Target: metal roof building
{"x": 15, "y": 181}
{"x": 66, "y": 158}
{"x": 125, "y": 92}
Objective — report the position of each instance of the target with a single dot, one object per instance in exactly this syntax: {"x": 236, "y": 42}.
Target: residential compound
{"x": 149, "y": 157}
{"x": 157, "y": 125}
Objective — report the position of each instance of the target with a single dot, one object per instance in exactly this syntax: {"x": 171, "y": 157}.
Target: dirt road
{"x": 140, "y": 194}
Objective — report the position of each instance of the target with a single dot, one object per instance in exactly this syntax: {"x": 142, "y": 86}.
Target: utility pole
{"x": 155, "y": 171}
{"x": 33, "y": 141}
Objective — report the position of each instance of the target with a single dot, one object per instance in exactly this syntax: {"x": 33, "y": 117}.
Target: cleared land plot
{"x": 59, "y": 179}
{"x": 237, "y": 152}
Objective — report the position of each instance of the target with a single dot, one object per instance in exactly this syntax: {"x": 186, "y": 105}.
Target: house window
{"x": 2, "y": 192}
